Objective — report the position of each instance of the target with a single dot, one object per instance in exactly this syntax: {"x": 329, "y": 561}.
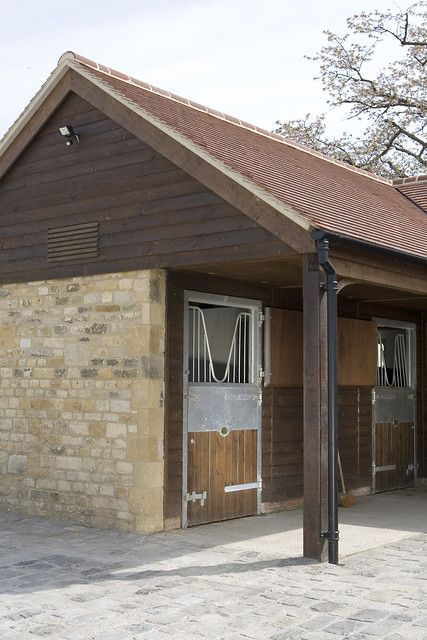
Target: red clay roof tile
{"x": 332, "y": 195}
{"x": 415, "y": 189}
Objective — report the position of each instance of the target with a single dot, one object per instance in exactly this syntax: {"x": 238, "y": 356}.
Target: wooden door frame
{"x": 227, "y": 301}
{"x": 412, "y": 327}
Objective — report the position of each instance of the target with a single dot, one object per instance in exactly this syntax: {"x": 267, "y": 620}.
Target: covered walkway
{"x": 372, "y": 522}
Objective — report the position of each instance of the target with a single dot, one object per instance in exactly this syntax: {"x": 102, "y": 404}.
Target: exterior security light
{"x": 69, "y": 134}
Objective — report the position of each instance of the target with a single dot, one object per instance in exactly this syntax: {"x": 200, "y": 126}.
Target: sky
{"x": 243, "y": 57}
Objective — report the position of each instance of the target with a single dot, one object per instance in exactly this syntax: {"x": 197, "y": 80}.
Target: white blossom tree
{"x": 391, "y": 103}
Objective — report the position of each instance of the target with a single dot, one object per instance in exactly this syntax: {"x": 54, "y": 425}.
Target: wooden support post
{"x": 315, "y": 411}
{"x": 422, "y": 396}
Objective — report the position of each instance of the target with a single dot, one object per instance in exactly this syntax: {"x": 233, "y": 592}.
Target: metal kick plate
{"x": 213, "y": 407}
{"x": 394, "y": 404}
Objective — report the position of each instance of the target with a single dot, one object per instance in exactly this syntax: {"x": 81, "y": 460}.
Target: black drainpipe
{"x": 331, "y": 288}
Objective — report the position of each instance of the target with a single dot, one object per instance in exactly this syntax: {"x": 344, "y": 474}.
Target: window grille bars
{"x": 400, "y": 376}
{"x": 201, "y": 366}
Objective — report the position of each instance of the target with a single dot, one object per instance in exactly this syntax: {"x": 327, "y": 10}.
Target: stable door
{"x": 222, "y": 408}
{"x": 394, "y": 464}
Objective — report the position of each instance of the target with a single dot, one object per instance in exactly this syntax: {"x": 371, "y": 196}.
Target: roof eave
{"x": 339, "y": 240}
{"x": 33, "y": 106}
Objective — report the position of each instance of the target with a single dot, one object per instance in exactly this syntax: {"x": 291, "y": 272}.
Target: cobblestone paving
{"x": 67, "y": 582}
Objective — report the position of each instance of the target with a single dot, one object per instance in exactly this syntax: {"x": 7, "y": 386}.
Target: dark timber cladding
{"x": 150, "y": 212}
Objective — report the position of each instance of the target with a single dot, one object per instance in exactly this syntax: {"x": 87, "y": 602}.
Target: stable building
{"x": 167, "y": 274}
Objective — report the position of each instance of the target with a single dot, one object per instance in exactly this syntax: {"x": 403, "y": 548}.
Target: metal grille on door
{"x": 203, "y": 368}
{"x": 393, "y": 369}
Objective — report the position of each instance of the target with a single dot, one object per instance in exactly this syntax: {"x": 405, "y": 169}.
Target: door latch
{"x": 193, "y": 497}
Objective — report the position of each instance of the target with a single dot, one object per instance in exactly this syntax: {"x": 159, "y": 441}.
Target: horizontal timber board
{"x": 84, "y": 117}
{"x": 116, "y": 207}
{"x": 51, "y": 136}
{"x": 74, "y": 170}
{"x": 106, "y": 182}
{"x": 170, "y": 224}
{"x": 67, "y": 158}
{"x": 149, "y": 198}
{"x": 142, "y": 249}
{"x": 177, "y": 260}
{"x": 40, "y": 153}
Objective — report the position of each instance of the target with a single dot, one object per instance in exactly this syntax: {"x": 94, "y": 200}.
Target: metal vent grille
{"x": 73, "y": 242}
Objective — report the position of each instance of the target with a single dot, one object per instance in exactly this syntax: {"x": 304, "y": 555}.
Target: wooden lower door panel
{"x": 215, "y": 462}
{"x": 394, "y": 453}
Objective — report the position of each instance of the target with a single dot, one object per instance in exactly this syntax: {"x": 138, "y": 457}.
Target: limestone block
{"x": 125, "y": 515}
{"x": 3, "y": 462}
{"x": 143, "y": 448}
{"x": 147, "y": 508}
{"x": 66, "y": 462}
{"x": 124, "y": 467}
{"x": 17, "y": 464}
{"x": 148, "y": 475}
{"x": 121, "y": 406}
{"x": 116, "y": 430}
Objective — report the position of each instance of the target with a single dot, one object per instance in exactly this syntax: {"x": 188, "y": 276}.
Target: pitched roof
{"x": 414, "y": 188}
{"x": 323, "y": 193}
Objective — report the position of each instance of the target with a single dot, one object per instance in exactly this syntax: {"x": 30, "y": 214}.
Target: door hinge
{"x": 261, "y": 378}
{"x": 193, "y": 497}
{"x": 261, "y": 319}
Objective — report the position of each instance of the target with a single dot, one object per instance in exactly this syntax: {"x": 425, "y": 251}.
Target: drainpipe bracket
{"x": 330, "y": 535}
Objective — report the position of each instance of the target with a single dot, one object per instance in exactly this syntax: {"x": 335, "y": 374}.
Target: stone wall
{"x": 81, "y": 399}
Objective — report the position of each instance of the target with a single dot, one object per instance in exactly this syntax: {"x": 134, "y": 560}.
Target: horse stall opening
{"x": 277, "y": 442}
{"x": 394, "y": 438}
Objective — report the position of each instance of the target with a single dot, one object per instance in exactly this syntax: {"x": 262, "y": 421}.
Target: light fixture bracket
{"x": 70, "y": 135}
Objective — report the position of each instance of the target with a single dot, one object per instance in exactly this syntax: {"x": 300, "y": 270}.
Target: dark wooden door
{"x": 222, "y": 399}
{"x": 394, "y": 455}
{"x": 216, "y": 463}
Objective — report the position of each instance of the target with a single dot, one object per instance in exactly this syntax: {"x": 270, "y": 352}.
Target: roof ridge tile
{"x": 70, "y": 55}
{"x": 397, "y": 182}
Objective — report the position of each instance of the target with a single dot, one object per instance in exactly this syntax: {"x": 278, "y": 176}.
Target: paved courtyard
{"x": 239, "y": 580}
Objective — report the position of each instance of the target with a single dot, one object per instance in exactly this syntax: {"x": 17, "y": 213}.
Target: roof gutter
{"x": 339, "y": 240}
